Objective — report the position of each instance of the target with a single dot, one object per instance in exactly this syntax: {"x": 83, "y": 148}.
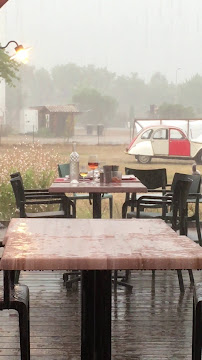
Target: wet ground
{"x": 154, "y": 322}
{"x": 109, "y": 136}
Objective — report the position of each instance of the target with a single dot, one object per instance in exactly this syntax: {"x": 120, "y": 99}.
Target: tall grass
{"x": 38, "y": 166}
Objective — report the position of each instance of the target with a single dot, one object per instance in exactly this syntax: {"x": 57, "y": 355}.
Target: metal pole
{"x": 98, "y": 135}
{"x": 176, "y": 75}
{"x": 33, "y": 134}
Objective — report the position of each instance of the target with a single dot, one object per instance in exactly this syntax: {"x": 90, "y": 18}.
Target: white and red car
{"x": 162, "y": 141}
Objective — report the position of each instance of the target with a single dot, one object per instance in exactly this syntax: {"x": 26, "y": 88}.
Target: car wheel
{"x": 198, "y": 157}
{"x": 144, "y": 159}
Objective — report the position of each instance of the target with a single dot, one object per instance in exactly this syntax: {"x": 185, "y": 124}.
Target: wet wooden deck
{"x": 154, "y": 322}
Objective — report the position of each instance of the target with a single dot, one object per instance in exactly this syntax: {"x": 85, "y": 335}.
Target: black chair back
{"x": 152, "y": 178}
{"x": 68, "y": 208}
{"x": 18, "y": 190}
{"x": 195, "y": 185}
{"x": 179, "y": 204}
{"x": 17, "y": 175}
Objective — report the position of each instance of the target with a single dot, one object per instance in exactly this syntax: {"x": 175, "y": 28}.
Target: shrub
{"x": 37, "y": 167}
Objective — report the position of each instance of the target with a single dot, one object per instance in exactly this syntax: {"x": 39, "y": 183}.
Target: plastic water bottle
{"x": 74, "y": 165}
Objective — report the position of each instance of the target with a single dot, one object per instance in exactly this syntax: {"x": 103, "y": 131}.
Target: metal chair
{"x": 64, "y": 169}
{"x": 194, "y": 198}
{"x": 28, "y": 191}
{"x": 16, "y": 297}
{"x": 34, "y": 199}
{"x": 155, "y": 180}
{"x": 67, "y": 210}
{"x": 177, "y": 201}
{"x": 197, "y": 323}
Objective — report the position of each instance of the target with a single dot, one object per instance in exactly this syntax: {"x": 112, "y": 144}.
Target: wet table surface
{"x": 95, "y": 244}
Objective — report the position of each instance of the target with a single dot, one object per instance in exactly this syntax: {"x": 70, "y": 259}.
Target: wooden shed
{"x": 59, "y": 119}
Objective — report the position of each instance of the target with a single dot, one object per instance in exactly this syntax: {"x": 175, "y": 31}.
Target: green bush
{"x": 45, "y": 132}
{"x": 7, "y": 202}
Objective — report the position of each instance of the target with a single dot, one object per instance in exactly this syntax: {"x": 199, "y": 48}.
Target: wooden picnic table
{"x": 97, "y": 246}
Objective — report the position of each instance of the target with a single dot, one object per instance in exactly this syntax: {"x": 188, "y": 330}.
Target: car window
{"x": 176, "y": 134}
{"x": 161, "y": 134}
{"x": 147, "y": 134}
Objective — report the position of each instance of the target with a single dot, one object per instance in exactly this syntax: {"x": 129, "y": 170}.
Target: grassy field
{"x": 38, "y": 166}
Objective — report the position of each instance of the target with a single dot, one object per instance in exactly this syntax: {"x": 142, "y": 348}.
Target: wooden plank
{"x": 152, "y": 322}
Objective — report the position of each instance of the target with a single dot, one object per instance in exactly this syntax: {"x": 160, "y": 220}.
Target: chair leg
{"x": 191, "y": 276}
{"x": 198, "y": 228}
{"x": 24, "y": 332}
{"x": 180, "y": 279}
{"x": 122, "y": 283}
{"x": 17, "y": 276}
{"x": 127, "y": 275}
{"x": 115, "y": 278}
{"x": 14, "y": 276}
{"x": 111, "y": 207}
{"x": 197, "y": 328}
{"x": 20, "y": 302}
{"x": 71, "y": 277}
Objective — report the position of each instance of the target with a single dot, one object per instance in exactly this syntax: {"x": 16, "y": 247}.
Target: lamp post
{"x": 21, "y": 53}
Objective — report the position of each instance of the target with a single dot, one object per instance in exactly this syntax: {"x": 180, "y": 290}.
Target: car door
{"x": 179, "y": 145}
{"x": 160, "y": 142}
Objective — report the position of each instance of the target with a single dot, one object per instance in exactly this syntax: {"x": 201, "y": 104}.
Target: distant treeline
{"x": 111, "y": 99}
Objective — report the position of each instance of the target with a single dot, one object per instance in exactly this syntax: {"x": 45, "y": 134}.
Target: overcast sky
{"x": 142, "y": 36}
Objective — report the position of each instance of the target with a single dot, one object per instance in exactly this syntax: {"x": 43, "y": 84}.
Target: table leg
{"x": 97, "y": 206}
{"x": 96, "y": 315}
{"x": 7, "y": 287}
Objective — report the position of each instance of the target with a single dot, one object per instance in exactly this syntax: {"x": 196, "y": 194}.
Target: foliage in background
{"x": 175, "y": 111}
{"x": 63, "y": 82}
{"x": 8, "y": 68}
{"x": 100, "y": 108}
{"x": 37, "y": 167}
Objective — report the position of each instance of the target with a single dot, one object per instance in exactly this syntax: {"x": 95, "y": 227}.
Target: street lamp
{"x": 20, "y": 52}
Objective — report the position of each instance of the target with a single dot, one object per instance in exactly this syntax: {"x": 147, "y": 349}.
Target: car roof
{"x": 162, "y": 127}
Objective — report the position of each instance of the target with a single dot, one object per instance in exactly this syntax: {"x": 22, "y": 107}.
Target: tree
{"x": 190, "y": 93}
{"x": 99, "y": 108}
{"x": 159, "y": 91}
{"x": 8, "y": 68}
{"x": 175, "y": 111}
{"x": 66, "y": 79}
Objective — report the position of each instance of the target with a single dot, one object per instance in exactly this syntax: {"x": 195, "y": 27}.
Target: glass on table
{"x": 93, "y": 164}
{"x": 83, "y": 171}
{"x": 116, "y": 176}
